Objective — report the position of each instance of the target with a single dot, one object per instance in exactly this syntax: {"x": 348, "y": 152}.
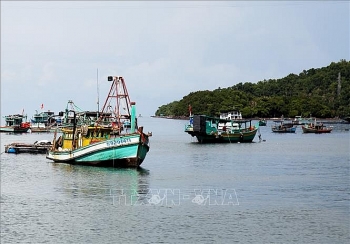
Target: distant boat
{"x": 15, "y": 124}
{"x": 347, "y": 119}
{"x": 43, "y": 122}
{"x": 215, "y": 130}
{"x": 262, "y": 122}
{"x": 98, "y": 144}
{"x": 73, "y": 114}
{"x": 281, "y": 127}
{"x": 316, "y": 127}
{"x": 298, "y": 120}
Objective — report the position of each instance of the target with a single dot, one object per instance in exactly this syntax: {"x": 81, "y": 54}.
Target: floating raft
{"x": 36, "y": 147}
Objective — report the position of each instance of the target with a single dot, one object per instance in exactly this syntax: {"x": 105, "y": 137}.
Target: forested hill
{"x": 314, "y": 92}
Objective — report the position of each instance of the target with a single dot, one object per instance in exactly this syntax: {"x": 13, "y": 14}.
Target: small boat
{"x": 262, "y": 122}
{"x": 298, "y": 120}
{"x": 282, "y": 127}
{"x": 315, "y": 127}
{"x": 104, "y": 143}
{"x": 43, "y": 122}
{"x": 15, "y": 124}
{"x": 347, "y": 119}
{"x": 215, "y": 130}
{"x": 37, "y": 147}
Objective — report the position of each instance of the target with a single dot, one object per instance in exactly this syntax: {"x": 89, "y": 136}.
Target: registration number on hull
{"x": 120, "y": 141}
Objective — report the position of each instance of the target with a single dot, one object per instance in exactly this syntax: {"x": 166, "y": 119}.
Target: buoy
{"x": 11, "y": 150}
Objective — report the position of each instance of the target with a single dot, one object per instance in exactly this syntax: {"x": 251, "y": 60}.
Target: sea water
{"x": 283, "y": 188}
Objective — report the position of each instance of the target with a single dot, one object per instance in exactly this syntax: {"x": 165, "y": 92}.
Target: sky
{"x": 52, "y": 52}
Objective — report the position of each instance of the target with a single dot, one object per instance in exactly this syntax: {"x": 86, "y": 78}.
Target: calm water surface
{"x": 289, "y": 188}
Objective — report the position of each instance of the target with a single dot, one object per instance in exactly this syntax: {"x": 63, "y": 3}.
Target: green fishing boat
{"x": 106, "y": 142}
{"x": 216, "y": 130}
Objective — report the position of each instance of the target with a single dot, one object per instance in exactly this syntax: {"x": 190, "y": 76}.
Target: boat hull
{"x": 225, "y": 137}
{"x": 42, "y": 129}
{"x": 316, "y": 131}
{"x": 284, "y": 130}
{"x": 126, "y": 151}
{"x": 217, "y": 130}
{"x": 13, "y": 129}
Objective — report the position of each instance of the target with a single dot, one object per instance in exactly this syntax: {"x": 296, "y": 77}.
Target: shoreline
{"x": 323, "y": 120}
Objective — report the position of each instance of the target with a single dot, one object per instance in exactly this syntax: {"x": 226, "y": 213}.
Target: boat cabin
{"x": 83, "y": 136}
{"x": 14, "y": 120}
{"x": 231, "y": 115}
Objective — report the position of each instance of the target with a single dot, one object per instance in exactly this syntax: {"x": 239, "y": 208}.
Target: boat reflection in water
{"x": 120, "y": 186}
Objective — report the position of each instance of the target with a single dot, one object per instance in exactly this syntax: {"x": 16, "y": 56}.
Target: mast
{"x": 98, "y": 96}
{"x": 117, "y": 105}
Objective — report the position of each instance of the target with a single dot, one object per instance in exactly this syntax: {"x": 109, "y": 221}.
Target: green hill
{"x": 315, "y": 91}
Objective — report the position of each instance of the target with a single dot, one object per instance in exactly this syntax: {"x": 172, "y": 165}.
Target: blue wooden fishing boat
{"x": 281, "y": 126}
{"x": 98, "y": 144}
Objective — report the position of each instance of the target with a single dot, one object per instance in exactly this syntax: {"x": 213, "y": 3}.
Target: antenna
{"x": 98, "y": 97}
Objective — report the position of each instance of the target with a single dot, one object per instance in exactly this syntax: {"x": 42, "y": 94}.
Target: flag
{"x": 190, "y": 108}
{"x": 42, "y": 106}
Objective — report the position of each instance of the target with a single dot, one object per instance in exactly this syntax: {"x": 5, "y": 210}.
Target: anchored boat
{"x": 281, "y": 126}
{"x": 316, "y": 127}
{"x": 106, "y": 143}
{"x": 43, "y": 122}
{"x": 262, "y": 122}
{"x": 15, "y": 124}
{"x": 210, "y": 129}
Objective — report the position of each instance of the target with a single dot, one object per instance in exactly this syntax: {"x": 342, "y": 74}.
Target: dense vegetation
{"x": 313, "y": 92}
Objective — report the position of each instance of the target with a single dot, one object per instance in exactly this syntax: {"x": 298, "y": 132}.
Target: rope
{"x": 259, "y": 134}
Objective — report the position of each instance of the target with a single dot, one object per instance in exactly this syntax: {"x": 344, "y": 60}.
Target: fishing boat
{"x": 262, "y": 122}
{"x": 347, "y": 119}
{"x": 316, "y": 127}
{"x": 80, "y": 116}
{"x": 216, "y": 130}
{"x": 15, "y": 124}
{"x": 106, "y": 142}
{"x": 73, "y": 114}
{"x": 43, "y": 122}
{"x": 281, "y": 127}
{"x": 299, "y": 120}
